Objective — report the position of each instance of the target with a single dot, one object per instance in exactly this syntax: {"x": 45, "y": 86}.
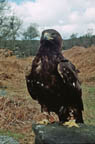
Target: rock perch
{"x": 58, "y": 134}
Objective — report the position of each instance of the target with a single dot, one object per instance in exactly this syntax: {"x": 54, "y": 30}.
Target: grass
{"x": 89, "y": 104}
{"x": 16, "y": 136}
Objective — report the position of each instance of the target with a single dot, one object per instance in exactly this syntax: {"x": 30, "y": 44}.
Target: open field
{"x": 17, "y": 109}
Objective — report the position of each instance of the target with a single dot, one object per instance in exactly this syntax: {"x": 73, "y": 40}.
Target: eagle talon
{"x": 70, "y": 124}
{"x": 43, "y": 122}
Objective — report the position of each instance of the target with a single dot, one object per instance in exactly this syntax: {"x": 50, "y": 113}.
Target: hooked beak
{"x": 47, "y": 36}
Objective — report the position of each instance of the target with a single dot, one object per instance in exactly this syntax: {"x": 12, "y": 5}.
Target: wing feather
{"x": 68, "y": 73}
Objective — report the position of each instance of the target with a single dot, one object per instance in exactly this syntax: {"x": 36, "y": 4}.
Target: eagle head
{"x": 51, "y": 39}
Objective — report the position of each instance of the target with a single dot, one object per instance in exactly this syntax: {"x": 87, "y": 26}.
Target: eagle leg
{"x": 48, "y": 117}
{"x": 71, "y": 119}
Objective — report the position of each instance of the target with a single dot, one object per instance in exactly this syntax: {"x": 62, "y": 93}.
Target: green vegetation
{"x": 89, "y": 104}
{"x": 16, "y": 136}
{"x": 85, "y": 41}
{"x": 25, "y": 48}
{"x": 22, "y": 48}
{"x": 31, "y": 32}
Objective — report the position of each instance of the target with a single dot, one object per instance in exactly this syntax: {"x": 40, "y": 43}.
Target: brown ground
{"x": 84, "y": 60}
{"x": 17, "y": 109}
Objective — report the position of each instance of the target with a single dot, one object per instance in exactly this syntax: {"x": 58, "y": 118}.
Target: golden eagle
{"x": 53, "y": 80}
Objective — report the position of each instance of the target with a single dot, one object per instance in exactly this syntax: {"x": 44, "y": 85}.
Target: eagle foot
{"x": 71, "y": 123}
{"x": 43, "y": 122}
